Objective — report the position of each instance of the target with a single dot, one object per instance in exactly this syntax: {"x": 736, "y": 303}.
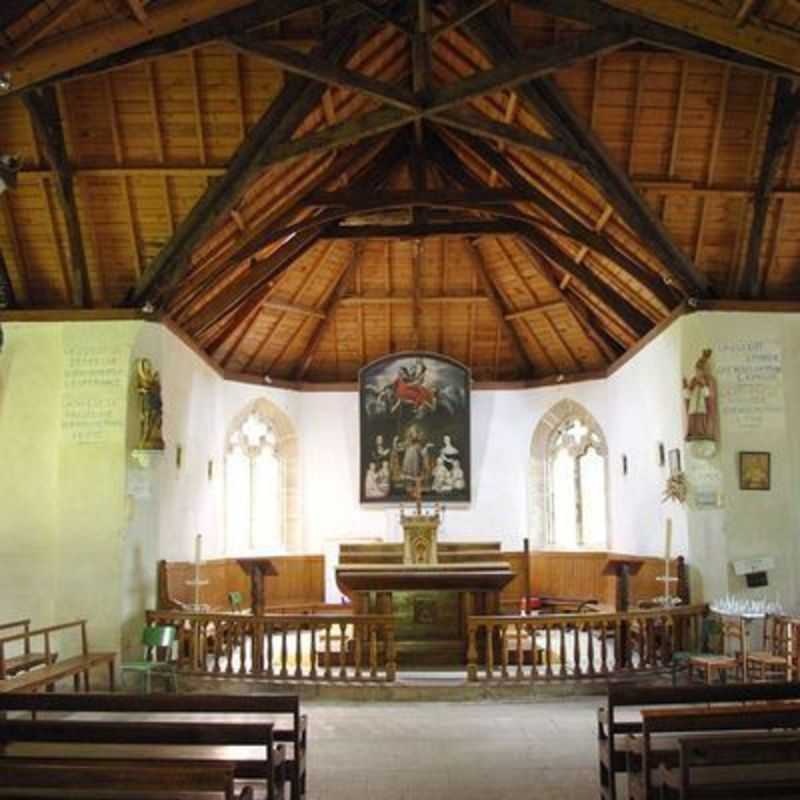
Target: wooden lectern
{"x": 622, "y": 568}
{"x": 257, "y": 569}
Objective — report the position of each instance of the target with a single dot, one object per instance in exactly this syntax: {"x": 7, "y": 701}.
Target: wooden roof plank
{"x": 45, "y": 25}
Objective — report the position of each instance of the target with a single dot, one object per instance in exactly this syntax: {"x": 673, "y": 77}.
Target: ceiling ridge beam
{"x": 782, "y": 126}
{"x": 553, "y": 108}
{"x": 276, "y": 125}
{"x": 318, "y": 69}
{"x": 42, "y": 107}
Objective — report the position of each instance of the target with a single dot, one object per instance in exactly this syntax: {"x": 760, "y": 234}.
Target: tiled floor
{"x": 453, "y": 751}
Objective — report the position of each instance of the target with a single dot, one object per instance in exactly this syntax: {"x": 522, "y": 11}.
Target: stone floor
{"x": 453, "y": 751}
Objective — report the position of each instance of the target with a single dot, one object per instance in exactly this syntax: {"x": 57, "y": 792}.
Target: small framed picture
{"x": 674, "y": 461}
{"x": 662, "y": 455}
{"x": 754, "y": 471}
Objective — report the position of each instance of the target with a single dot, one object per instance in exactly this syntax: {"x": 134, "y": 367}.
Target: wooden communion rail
{"x": 553, "y": 647}
{"x": 296, "y": 647}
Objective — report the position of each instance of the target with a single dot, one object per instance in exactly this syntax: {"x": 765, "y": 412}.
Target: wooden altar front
{"x": 430, "y": 602}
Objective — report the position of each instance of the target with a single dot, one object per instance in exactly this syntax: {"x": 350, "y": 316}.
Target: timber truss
{"x": 451, "y": 130}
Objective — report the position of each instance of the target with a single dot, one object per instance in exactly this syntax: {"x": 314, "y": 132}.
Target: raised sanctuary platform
{"x": 430, "y": 594}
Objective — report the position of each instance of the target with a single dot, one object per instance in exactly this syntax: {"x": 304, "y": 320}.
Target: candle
{"x": 198, "y": 548}
{"x": 668, "y": 540}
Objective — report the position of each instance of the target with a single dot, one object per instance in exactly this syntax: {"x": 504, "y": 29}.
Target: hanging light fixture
{"x": 9, "y": 167}
{"x": 5, "y": 82}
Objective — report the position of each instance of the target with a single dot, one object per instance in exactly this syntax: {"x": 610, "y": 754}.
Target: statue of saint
{"x": 149, "y": 390}
{"x": 700, "y": 398}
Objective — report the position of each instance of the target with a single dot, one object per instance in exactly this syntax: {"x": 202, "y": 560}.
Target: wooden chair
{"x": 773, "y": 660}
{"x": 732, "y": 630}
{"x": 154, "y": 638}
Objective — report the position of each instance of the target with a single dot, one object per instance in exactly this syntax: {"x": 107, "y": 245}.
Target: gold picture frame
{"x": 754, "y": 471}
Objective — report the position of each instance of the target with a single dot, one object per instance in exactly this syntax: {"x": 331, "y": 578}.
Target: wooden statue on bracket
{"x": 700, "y": 400}
{"x": 148, "y": 387}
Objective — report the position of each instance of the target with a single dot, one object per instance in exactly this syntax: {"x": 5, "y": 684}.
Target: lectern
{"x": 622, "y": 567}
{"x": 257, "y": 569}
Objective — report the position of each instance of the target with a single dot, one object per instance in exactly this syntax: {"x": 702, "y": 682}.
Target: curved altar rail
{"x": 551, "y": 647}
{"x": 295, "y": 647}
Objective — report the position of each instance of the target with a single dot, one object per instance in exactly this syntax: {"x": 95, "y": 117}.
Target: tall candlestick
{"x": 668, "y": 540}
{"x": 198, "y": 548}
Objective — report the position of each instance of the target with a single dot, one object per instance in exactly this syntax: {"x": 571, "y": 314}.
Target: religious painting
{"x": 754, "y": 471}
{"x": 415, "y": 429}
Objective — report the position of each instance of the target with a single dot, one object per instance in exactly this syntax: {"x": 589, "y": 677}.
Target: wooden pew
{"x": 264, "y": 706}
{"x": 11, "y": 665}
{"x": 154, "y": 779}
{"x": 46, "y": 676}
{"x": 660, "y": 726}
{"x": 728, "y": 767}
{"x": 245, "y": 748}
{"x": 611, "y": 733}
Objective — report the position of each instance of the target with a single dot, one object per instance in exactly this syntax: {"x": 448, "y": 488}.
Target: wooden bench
{"x": 11, "y": 665}
{"x": 611, "y": 732}
{"x": 260, "y": 706}
{"x": 657, "y": 743}
{"x": 46, "y": 676}
{"x": 728, "y": 767}
{"x": 154, "y": 779}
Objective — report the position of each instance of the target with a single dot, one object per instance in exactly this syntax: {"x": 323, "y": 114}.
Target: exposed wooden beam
{"x": 530, "y": 64}
{"x": 170, "y": 27}
{"x": 426, "y": 229}
{"x": 378, "y": 12}
{"x": 318, "y": 69}
{"x": 328, "y": 315}
{"x": 755, "y": 40}
{"x": 13, "y": 10}
{"x": 460, "y": 17}
{"x": 45, "y": 25}
{"x": 138, "y": 10}
{"x": 400, "y": 198}
{"x": 498, "y": 308}
{"x": 597, "y": 13}
{"x": 406, "y": 299}
{"x": 291, "y": 308}
{"x": 7, "y": 298}
{"x": 540, "y": 309}
{"x": 43, "y": 109}
{"x": 276, "y": 125}
{"x": 628, "y": 313}
{"x": 472, "y": 122}
{"x": 574, "y": 227}
{"x": 556, "y": 112}
{"x": 7, "y": 215}
{"x": 782, "y": 126}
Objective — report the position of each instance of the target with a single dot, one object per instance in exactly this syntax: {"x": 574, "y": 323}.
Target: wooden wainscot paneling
{"x": 580, "y": 575}
{"x": 300, "y": 582}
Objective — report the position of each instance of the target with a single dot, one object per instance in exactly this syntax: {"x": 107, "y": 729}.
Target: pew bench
{"x": 661, "y": 727}
{"x": 50, "y": 672}
{"x": 612, "y": 732}
{"x": 153, "y": 779}
{"x": 12, "y": 665}
{"x": 732, "y": 766}
{"x": 291, "y": 766}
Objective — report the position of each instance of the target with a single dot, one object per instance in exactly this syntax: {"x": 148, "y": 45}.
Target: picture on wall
{"x": 415, "y": 429}
{"x": 754, "y": 471}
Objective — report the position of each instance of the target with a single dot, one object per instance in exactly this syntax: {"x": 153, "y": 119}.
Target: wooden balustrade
{"x": 579, "y": 646}
{"x": 296, "y": 647}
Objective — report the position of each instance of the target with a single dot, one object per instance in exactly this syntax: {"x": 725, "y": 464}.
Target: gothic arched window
{"x": 569, "y": 496}
{"x": 255, "y": 512}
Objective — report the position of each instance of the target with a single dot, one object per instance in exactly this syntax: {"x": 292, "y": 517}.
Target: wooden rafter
{"x": 686, "y": 39}
{"x": 171, "y": 27}
{"x": 783, "y": 125}
{"x": 138, "y": 10}
{"x": 43, "y": 109}
{"x": 556, "y": 112}
{"x": 460, "y": 17}
{"x": 328, "y": 314}
{"x": 7, "y": 298}
{"x": 45, "y": 25}
{"x": 276, "y": 125}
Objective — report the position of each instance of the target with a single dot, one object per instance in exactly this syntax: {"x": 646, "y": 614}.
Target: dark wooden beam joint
{"x": 782, "y": 128}
{"x": 42, "y": 107}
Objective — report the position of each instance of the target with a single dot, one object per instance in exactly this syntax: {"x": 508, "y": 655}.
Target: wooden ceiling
{"x": 529, "y": 186}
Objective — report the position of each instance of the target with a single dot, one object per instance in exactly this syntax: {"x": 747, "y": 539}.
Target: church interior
{"x": 396, "y": 399}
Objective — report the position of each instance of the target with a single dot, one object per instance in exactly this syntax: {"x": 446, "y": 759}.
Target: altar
{"x": 429, "y": 587}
